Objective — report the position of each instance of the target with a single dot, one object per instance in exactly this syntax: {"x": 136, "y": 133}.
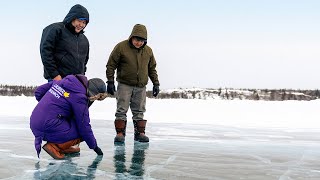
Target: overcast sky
{"x": 197, "y": 43}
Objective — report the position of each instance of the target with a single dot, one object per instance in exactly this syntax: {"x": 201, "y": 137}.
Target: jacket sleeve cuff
{"x": 54, "y": 74}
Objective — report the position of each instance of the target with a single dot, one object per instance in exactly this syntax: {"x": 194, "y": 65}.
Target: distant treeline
{"x": 242, "y": 94}
{"x": 13, "y": 90}
{"x": 208, "y": 93}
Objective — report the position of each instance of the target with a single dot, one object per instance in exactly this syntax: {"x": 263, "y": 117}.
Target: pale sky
{"x": 197, "y": 43}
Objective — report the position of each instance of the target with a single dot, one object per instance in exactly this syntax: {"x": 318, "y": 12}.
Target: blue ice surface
{"x": 175, "y": 151}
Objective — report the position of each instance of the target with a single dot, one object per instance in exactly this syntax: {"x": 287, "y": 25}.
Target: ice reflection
{"x": 91, "y": 170}
{"x": 136, "y": 168}
{"x": 176, "y": 151}
{"x": 67, "y": 169}
{"x": 119, "y": 158}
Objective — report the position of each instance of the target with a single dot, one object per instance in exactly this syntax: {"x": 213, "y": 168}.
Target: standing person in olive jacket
{"x": 64, "y": 48}
{"x": 134, "y": 61}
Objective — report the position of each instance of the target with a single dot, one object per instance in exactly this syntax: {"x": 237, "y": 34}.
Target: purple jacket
{"x": 62, "y": 113}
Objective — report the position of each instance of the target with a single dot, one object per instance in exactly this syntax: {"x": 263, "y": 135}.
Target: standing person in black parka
{"x": 64, "y": 48}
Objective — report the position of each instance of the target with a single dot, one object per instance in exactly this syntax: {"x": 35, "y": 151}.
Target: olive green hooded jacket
{"x": 133, "y": 65}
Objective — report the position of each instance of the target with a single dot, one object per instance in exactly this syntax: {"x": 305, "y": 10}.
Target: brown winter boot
{"x": 139, "y": 131}
{"x": 120, "y": 126}
{"x": 69, "y": 146}
{"x": 53, "y": 150}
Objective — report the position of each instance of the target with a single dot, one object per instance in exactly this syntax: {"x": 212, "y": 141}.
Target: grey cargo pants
{"x": 132, "y": 96}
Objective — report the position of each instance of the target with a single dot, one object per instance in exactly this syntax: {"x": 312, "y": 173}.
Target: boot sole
{"x": 119, "y": 139}
{"x": 141, "y": 141}
{"x": 72, "y": 155}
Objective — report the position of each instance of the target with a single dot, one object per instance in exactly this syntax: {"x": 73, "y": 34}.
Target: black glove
{"x": 98, "y": 151}
{"x": 111, "y": 88}
{"x": 155, "y": 90}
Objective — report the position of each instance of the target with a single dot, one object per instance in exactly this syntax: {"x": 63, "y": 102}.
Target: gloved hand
{"x": 111, "y": 88}
{"x": 155, "y": 90}
{"x": 98, "y": 151}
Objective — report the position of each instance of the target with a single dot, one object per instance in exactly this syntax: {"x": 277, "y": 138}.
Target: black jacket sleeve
{"x": 50, "y": 36}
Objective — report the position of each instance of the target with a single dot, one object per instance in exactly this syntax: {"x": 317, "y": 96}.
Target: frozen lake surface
{"x": 175, "y": 151}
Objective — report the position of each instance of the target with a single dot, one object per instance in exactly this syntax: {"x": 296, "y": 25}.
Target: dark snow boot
{"x": 139, "y": 131}
{"x": 120, "y": 126}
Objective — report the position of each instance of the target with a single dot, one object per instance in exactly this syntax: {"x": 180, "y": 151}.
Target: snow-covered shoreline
{"x": 237, "y": 113}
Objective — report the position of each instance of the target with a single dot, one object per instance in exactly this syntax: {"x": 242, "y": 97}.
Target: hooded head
{"x": 76, "y": 12}
{"x": 139, "y": 31}
{"x": 96, "y": 90}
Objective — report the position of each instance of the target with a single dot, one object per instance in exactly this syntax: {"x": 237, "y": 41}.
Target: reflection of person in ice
{"x": 119, "y": 158}
{"x": 137, "y": 160}
{"x": 67, "y": 170}
{"x": 91, "y": 170}
{"x": 62, "y": 115}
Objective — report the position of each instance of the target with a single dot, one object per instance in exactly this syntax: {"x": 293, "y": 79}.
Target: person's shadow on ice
{"x": 67, "y": 170}
{"x": 137, "y": 161}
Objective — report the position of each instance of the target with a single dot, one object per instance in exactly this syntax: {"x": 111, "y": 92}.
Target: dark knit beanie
{"x": 96, "y": 86}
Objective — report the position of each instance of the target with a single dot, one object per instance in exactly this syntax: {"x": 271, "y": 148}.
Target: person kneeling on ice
{"x": 61, "y": 116}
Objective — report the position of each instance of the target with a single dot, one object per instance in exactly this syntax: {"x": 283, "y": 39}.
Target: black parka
{"x": 133, "y": 65}
{"x": 64, "y": 52}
